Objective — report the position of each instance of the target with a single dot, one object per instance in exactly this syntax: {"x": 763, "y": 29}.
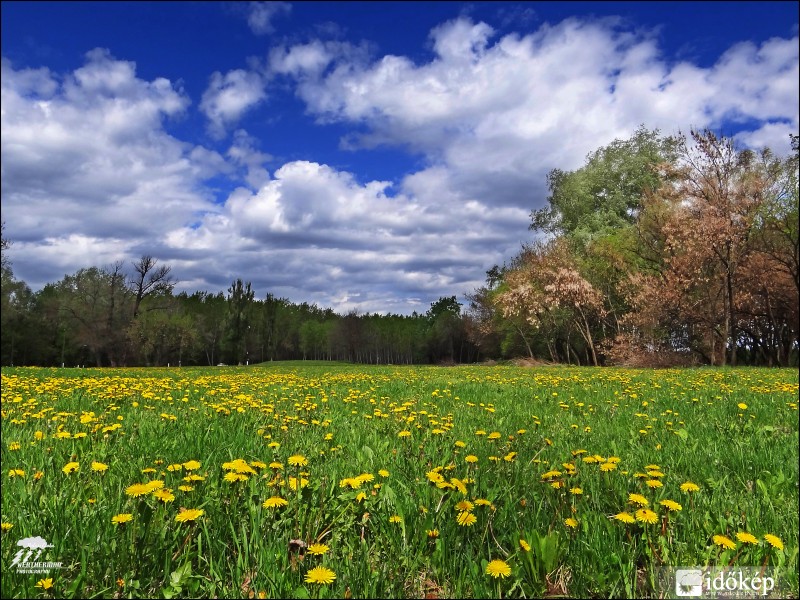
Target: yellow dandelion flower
{"x": 432, "y": 533}
{"x": 6, "y": 526}
{"x": 482, "y": 502}
{"x": 154, "y": 485}
{"x": 191, "y": 465}
{"x": 654, "y": 483}
{"x": 724, "y": 542}
{"x": 525, "y": 545}
{"x": 191, "y": 514}
{"x": 383, "y": 473}
{"x": 464, "y": 505}
{"x": 747, "y": 538}
{"x": 395, "y": 519}
{"x": 576, "y": 491}
{"x": 688, "y": 486}
{"x": 99, "y": 467}
{"x": 625, "y": 517}
{"x": 742, "y": 406}
{"x": 293, "y": 483}
{"x": 466, "y": 519}
{"x": 297, "y": 460}
{"x": 320, "y": 575}
{"x": 137, "y": 489}
{"x": 240, "y": 466}
{"x": 774, "y": 541}
{"x": 317, "y": 549}
{"x": 498, "y": 568}
{"x": 361, "y": 497}
{"x": 638, "y": 499}
{"x": 573, "y": 523}
{"x": 471, "y": 458}
{"x": 459, "y": 485}
{"x": 671, "y": 505}
{"x": 275, "y": 502}
{"x": 16, "y": 473}
{"x": 70, "y": 467}
{"x": 232, "y": 477}
{"x": 434, "y": 476}
{"x": 185, "y": 488}
{"x": 404, "y": 434}
{"x": 165, "y": 495}
{"x": 45, "y": 584}
{"x": 121, "y": 518}
{"x": 646, "y": 516}
{"x": 608, "y": 466}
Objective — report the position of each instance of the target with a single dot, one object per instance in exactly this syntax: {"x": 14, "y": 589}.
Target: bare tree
{"x": 149, "y": 279}
{"x": 6, "y": 244}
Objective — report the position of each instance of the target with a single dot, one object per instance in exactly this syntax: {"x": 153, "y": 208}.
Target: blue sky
{"x": 360, "y": 155}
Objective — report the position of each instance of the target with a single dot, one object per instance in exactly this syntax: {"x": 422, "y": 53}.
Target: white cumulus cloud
{"x": 89, "y": 175}
{"x": 498, "y": 113}
{"x": 261, "y": 14}
{"x": 229, "y": 96}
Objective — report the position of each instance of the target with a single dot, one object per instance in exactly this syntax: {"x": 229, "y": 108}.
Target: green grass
{"x": 345, "y": 420}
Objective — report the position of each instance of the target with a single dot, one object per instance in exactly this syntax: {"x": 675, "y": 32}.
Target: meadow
{"x": 320, "y": 480}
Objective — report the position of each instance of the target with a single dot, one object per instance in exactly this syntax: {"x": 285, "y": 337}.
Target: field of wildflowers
{"x": 313, "y": 480}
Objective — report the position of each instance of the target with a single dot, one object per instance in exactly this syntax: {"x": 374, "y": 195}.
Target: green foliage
{"x": 605, "y": 195}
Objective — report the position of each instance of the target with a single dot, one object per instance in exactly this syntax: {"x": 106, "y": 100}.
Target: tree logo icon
{"x": 689, "y": 582}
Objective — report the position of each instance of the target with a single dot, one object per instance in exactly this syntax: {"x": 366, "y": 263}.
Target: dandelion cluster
{"x": 333, "y": 472}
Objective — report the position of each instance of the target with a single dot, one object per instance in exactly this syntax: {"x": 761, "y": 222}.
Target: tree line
{"x": 658, "y": 251}
{"x": 105, "y": 316}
